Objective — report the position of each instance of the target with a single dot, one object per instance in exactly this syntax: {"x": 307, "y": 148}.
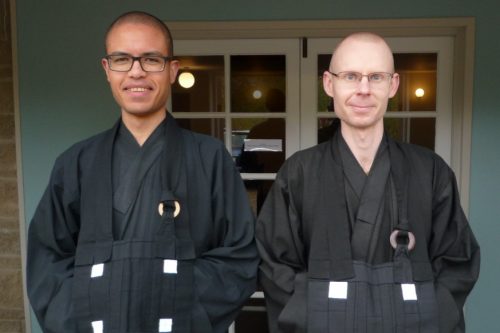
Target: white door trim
{"x": 461, "y": 29}
{"x": 442, "y": 46}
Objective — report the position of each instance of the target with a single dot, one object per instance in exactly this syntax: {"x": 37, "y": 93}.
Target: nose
{"x": 136, "y": 70}
{"x": 364, "y": 85}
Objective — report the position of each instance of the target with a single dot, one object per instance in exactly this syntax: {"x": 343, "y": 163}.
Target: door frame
{"x": 441, "y": 46}
{"x": 461, "y": 29}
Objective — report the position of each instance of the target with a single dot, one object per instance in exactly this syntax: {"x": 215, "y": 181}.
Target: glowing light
{"x": 257, "y": 94}
{"x": 186, "y": 80}
{"x": 419, "y": 92}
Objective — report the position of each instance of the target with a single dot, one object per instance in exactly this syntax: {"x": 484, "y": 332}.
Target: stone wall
{"x": 11, "y": 292}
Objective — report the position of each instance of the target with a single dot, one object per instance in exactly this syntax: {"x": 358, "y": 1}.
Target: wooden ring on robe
{"x": 176, "y": 211}
{"x": 411, "y": 240}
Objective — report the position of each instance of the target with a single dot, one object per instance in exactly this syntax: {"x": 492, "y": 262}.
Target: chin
{"x": 138, "y": 113}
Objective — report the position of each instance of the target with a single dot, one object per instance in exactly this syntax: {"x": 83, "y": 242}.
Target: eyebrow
{"x": 145, "y": 54}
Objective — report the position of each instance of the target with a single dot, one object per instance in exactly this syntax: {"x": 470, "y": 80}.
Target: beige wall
{"x": 11, "y": 294}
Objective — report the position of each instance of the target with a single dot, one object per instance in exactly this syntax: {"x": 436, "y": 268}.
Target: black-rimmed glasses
{"x": 124, "y": 62}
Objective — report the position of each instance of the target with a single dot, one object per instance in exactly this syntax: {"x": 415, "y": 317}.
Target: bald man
{"x": 363, "y": 233}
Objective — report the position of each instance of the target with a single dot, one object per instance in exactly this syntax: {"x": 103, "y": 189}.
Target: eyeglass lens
{"x": 124, "y": 63}
{"x": 356, "y": 77}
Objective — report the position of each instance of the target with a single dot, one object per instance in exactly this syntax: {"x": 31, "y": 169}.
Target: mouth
{"x": 138, "y": 93}
{"x": 138, "y": 89}
{"x": 137, "y": 86}
{"x": 361, "y": 107}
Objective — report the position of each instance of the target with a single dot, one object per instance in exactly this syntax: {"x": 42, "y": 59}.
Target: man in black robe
{"x": 145, "y": 227}
{"x": 363, "y": 233}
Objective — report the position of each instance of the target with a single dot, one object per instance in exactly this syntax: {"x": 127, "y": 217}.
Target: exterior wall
{"x": 11, "y": 292}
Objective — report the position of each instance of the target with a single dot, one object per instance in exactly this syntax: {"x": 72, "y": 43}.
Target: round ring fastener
{"x": 176, "y": 211}
{"x": 394, "y": 236}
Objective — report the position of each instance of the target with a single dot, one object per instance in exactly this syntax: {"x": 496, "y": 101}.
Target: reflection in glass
{"x": 420, "y": 131}
{"x": 257, "y": 190}
{"x": 324, "y": 101}
{"x": 326, "y": 128}
{"x": 255, "y": 79}
{"x": 212, "y": 127}
{"x": 416, "y": 71}
{"x": 253, "y": 318}
{"x": 207, "y": 93}
{"x": 258, "y": 144}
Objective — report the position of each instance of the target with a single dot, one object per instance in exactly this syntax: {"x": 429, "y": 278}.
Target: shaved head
{"x": 361, "y": 105}
{"x": 137, "y": 17}
{"x": 361, "y": 37}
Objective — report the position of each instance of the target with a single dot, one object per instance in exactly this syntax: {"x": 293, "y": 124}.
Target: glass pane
{"x": 213, "y": 127}
{"x": 417, "y": 71}
{"x": 324, "y": 101}
{"x": 258, "y": 144}
{"x": 258, "y": 83}
{"x": 420, "y": 131}
{"x": 257, "y": 190}
{"x": 207, "y": 92}
{"x": 252, "y": 318}
{"x": 326, "y": 128}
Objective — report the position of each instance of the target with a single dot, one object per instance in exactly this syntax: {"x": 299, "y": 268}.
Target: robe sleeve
{"x": 282, "y": 271}
{"x": 454, "y": 252}
{"x": 51, "y": 251}
{"x": 226, "y": 274}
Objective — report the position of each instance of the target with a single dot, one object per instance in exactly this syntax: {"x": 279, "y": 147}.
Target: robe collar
{"x": 333, "y": 196}
{"x": 100, "y": 176}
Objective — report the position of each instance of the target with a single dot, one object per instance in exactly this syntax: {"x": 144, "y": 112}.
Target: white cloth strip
{"x": 338, "y": 289}
{"x": 409, "y": 292}
{"x": 98, "y": 326}
{"x": 97, "y": 270}
{"x": 170, "y": 266}
{"x": 165, "y": 325}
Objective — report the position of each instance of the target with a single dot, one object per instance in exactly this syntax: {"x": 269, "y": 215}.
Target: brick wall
{"x": 11, "y": 292}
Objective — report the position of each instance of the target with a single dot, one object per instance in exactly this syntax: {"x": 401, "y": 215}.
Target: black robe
{"x": 307, "y": 212}
{"x": 214, "y": 206}
{"x": 369, "y": 204}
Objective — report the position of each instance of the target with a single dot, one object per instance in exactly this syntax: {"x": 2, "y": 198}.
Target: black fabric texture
{"x": 304, "y": 231}
{"x": 211, "y": 239}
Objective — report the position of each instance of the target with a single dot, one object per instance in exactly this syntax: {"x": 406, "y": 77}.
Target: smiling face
{"x": 362, "y": 106}
{"x": 139, "y": 93}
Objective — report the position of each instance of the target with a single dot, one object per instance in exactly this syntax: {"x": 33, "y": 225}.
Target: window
{"x": 245, "y": 94}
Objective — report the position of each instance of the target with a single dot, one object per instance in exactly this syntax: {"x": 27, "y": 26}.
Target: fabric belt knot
{"x": 166, "y": 238}
{"x": 403, "y": 241}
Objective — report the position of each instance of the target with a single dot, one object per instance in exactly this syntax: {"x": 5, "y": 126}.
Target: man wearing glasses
{"x": 145, "y": 227}
{"x": 363, "y": 233}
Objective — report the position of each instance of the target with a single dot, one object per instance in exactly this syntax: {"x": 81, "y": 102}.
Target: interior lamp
{"x": 419, "y": 92}
{"x": 257, "y": 94}
{"x": 186, "y": 80}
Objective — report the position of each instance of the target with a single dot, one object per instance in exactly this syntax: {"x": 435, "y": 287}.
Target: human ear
{"x": 394, "y": 85}
{"x": 327, "y": 83}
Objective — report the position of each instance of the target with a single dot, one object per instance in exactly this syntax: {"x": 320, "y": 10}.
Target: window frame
{"x": 231, "y": 47}
{"x": 462, "y": 30}
{"x": 441, "y": 46}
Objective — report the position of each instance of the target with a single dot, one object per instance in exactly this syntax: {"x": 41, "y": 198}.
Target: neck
{"x": 363, "y": 144}
{"x": 141, "y": 127}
